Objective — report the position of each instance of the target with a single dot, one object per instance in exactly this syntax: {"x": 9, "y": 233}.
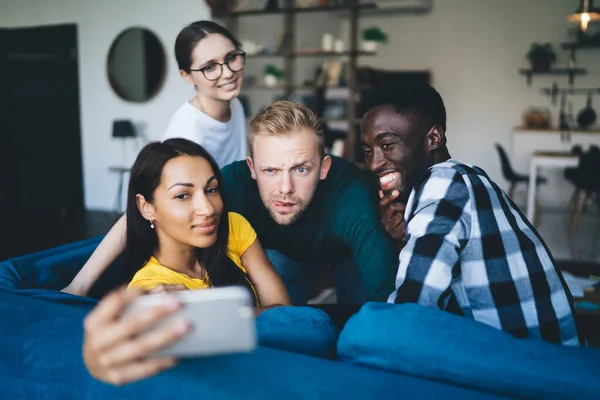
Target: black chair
{"x": 572, "y": 173}
{"x": 586, "y": 180}
{"x": 510, "y": 175}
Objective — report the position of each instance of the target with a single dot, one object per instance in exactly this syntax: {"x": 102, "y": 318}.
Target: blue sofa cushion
{"x": 432, "y": 344}
{"x": 55, "y": 268}
{"x": 298, "y": 329}
{"x": 41, "y": 358}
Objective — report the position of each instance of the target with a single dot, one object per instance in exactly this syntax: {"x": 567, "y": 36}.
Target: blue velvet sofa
{"x": 383, "y": 351}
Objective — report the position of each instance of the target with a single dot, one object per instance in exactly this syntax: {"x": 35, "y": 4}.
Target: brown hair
{"x": 285, "y": 118}
{"x": 191, "y": 35}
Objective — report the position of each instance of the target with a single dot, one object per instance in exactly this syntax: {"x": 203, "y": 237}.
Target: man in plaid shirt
{"x": 467, "y": 245}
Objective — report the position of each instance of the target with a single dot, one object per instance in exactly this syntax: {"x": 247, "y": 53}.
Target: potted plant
{"x": 272, "y": 75}
{"x": 541, "y": 56}
{"x": 372, "y": 36}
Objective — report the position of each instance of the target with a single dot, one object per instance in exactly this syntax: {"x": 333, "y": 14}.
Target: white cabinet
{"x": 557, "y": 191}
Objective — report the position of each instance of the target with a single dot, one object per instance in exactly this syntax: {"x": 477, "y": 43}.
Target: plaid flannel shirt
{"x": 465, "y": 238}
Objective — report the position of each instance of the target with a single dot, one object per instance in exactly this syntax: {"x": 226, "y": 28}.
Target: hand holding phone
{"x": 222, "y": 321}
{"x": 115, "y": 349}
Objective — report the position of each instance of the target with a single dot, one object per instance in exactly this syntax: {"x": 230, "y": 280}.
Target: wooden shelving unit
{"x": 571, "y": 72}
{"x": 555, "y": 92}
{"x": 297, "y": 87}
{"x": 553, "y": 130}
{"x": 275, "y": 88}
{"x": 580, "y": 46}
{"x": 311, "y": 53}
{"x": 550, "y": 91}
{"x": 293, "y": 10}
{"x": 289, "y": 54}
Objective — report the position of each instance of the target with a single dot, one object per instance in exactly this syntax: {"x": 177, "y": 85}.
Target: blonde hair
{"x": 286, "y": 118}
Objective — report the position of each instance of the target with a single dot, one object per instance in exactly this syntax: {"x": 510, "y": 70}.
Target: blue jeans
{"x": 298, "y": 277}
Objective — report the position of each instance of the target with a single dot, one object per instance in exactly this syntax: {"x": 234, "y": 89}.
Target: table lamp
{"x": 123, "y": 129}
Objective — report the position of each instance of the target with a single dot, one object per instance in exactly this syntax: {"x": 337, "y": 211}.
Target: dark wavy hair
{"x": 189, "y": 37}
{"x": 142, "y": 240}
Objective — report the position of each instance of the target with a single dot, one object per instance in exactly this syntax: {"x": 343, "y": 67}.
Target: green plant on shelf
{"x": 374, "y": 34}
{"x": 541, "y": 56}
{"x": 272, "y": 75}
{"x": 273, "y": 71}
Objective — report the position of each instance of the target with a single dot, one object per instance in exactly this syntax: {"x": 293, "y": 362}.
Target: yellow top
{"x": 241, "y": 237}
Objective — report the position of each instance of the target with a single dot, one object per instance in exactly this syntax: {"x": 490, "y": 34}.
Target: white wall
{"x": 98, "y": 24}
{"x": 473, "y": 49}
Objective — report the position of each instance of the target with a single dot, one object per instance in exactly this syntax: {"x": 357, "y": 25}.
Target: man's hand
{"x": 116, "y": 349}
{"x": 392, "y": 215}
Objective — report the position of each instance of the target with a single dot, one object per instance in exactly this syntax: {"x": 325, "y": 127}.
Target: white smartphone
{"x": 222, "y": 321}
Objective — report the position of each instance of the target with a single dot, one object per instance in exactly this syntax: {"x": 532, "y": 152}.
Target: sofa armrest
{"x": 433, "y": 344}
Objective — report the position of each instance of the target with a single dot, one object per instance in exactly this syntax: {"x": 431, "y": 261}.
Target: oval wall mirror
{"x": 136, "y": 65}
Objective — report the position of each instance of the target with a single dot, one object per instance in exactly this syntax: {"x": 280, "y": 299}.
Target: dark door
{"x": 41, "y": 184}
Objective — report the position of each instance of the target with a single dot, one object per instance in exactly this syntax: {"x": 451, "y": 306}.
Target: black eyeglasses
{"x": 213, "y": 71}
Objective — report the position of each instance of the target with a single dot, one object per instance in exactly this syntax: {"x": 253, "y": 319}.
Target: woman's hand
{"x": 116, "y": 349}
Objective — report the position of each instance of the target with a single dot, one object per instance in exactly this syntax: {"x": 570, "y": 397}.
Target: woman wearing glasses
{"x": 210, "y": 58}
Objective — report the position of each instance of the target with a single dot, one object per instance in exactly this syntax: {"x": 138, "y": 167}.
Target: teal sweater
{"x": 342, "y": 217}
